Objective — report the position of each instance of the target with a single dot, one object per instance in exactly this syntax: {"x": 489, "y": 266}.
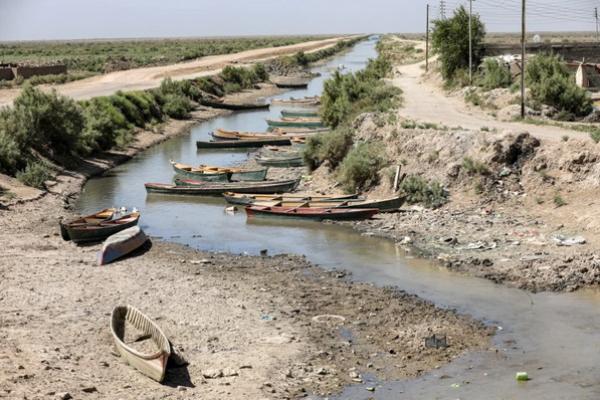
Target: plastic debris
{"x": 522, "y": 376}
{"x": 455, "y": 385}
{"x": 562, "y": 240}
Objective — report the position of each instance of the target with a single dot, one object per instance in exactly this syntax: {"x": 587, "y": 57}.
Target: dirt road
{"x": 425, "y": 102}
{"x": 150, "y": 77}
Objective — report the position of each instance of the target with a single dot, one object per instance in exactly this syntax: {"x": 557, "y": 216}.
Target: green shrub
{"x": 551, "y": 83}
{"x": 559, "y": 201}
{"x": 494, "y": 75}
{"x": 360, "y": 168}
{"x": 146, "y": 104}
{"x": 35, "y": 174}
{"x": 128, "y": 109}
{"x": 450, "y": 39}
{"x": 177, "y": 106}
{"x": 47, "y": 122}
{"x": 105, "y": 126}
{"x": 13, "y": 147}
{"x": 418, "y": 190}
{"x": 332, "y": 147}
{"x": 474, "y": 167}
{"x": 347, "y": 95}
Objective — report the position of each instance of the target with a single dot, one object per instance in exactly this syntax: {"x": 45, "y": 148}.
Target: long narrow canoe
{"x": 121, "y": 244}
{"x": 296, "y": 122}
{"x": 249, "y": 198}
{"x": 231, "y": 173}
{"x": 305, "y": 101}
{"x": 316, "y": 214}
{"x": 98, "y": 232}
{"x": 299, "y": 114}
{"x": 223, "y": 134}
{"x": 196, "y": 188}
{"x": 152, "y": 364}
{"x": 280, "y": 162}
{"x": 305, "y": 131}
{"x": 235, "y": 106}
{"x": 290, "y": 83}
{"x": 200, "y": 173}
{"x": 228, "y": 144}
{"x": 390, "y": 204}
{"x": 100, "y": 216}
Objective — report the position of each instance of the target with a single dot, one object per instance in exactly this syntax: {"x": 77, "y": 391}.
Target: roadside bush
{"x": 360, "y": 168}
{"x": 35, "y": 174}
{"x": 105, "y": 126}
{"x": 48, "y": 123}
{"x": 418, "y": 190}
{"x": 551, "y": 83}
{"x": 494, "y": 75}
{"x": 347, "y": 95}
{"x": 128, "y": 109}
{"x": 147, "y": 105}
{"x": 239, "y": 78}
{"x": 332, "y": 147}
{"x": 450, "y": 39}
{"x": 474, "y": 167}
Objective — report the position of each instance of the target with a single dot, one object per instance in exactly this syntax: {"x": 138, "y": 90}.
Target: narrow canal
{"x": 554, "y": 337}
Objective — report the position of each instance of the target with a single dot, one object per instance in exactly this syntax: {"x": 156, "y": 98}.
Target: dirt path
{"x": 425, "y": 102}
{"x": 150, "y": 77}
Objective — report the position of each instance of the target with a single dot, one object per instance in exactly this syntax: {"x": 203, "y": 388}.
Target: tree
{"x": 450, "y": 39}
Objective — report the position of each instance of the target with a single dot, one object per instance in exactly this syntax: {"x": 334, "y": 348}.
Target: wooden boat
{"x": 198, "y": 188}
{"x": 228, "y": 144}
{"x": 281, "y": 161}
{"x": 296, "y": 122}
{"x": 223, "y": 134}
{"x": 316, "y": 214}
{"x": 305, "y": 101}
{"x": 390, "y": 204}
{"x": 250, "y": 198}
{"x": 290, "y": 82}
{"x": 234, "y": 106}
{"x": 305, "y": 131}
{"x": 200, "y": 173}
{"x": 299, "y": 114}
{"x": 231, "y": 173}
{"x": 100, "y": 216}
{"x": 121, "y": 244}
{"x": 152, "y": 364}
{"x": 81, "y": 233}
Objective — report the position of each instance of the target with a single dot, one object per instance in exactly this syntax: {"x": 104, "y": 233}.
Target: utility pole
{"x": 442, "y": 9}
{"x": 470, "y": 42}
{"x": 427, "y": 41}
{"x": 597, "y": 32}
{"x": 523, "y": 38}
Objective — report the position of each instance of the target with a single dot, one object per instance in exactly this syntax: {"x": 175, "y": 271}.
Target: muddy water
{"x": 555, "y": 338}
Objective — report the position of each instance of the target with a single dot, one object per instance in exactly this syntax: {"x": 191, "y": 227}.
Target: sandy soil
{"x": 150, "y": 77}
{"x": 246, "y": 325}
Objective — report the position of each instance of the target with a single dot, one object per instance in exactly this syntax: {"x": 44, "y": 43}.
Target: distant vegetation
{"x": 399, "y": 52}
{"x": 450, "y": 39}
{"x": 85, "y": 58}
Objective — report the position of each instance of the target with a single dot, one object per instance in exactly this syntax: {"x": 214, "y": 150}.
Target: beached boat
{"x": 223, "y": 134}
{"x": 198, "y": 188}
{"x": 305, "y": 131}
{"x": 232, "y": 173}
{"x": 304, "y": 101}
{"x": 121, "y": 244}
{"x": 152, "y": 364}
{"x": 280, "y": 161}
{"x": 296, "y": 122}
{"x": 200, "y": 173}
{"x": 95, "y": 232}
{"x": 299, "y": 114}
{"x": 291, "y": 82}
{"x": 234, "y": 106}
{"x": 100, "y": 216}
{"x": 316, "y": 214}
{"x": 242, "y": 143}
{"x": 389, "y": 204}
{"x": 250, "y": 198}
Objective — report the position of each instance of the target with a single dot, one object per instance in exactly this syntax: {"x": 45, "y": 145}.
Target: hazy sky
{"x": 74, "y": 19}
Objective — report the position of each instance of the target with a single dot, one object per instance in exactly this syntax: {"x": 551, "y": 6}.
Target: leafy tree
{"x": 450, "y": 39}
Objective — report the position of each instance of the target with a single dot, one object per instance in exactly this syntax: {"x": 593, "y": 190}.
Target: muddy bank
{"x": 249, "y": 318}
{"x": 520, "y": 211}
{"x": 251, "y": 327}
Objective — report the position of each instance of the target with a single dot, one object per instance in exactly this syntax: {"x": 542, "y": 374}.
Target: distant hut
{"x": 588, "y": 76}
